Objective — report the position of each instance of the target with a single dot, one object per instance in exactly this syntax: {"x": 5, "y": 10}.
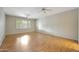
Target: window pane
{"x": 23, "y": 24}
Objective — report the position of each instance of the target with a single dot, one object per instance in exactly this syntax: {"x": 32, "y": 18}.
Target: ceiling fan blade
{"x": 46, "y": 9}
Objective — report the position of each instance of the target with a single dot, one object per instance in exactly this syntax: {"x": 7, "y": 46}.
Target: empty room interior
{"x": 39, "y": 29}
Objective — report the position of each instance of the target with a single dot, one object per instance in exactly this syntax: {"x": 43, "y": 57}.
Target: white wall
{"x": 63, "y": 24}
{"x": 11, "y": 25}
{"x": 2, "y": 26}
{"x": 78, "y": 24}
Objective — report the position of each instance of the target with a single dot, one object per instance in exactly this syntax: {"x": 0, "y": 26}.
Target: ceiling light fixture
{"x": 27, "y": 16}
{"x": 45, "y": 10}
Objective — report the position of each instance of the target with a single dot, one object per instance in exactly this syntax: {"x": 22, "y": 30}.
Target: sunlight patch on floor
{"x": 24, "y": 40}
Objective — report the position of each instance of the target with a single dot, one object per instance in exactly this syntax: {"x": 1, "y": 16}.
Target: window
{"x": 23, "y": 24}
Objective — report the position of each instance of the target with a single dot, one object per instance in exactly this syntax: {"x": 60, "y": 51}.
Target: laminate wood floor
{"x": 38, "y": 42}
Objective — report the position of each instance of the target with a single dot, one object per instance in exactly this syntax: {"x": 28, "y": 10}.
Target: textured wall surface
{"x": 2, "y": 25}
{"x": 63, "y": 24}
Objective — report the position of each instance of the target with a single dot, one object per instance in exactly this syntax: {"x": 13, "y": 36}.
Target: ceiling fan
{"x": 46, "y": 9}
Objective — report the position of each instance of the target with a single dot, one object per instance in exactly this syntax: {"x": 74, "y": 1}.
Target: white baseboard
{"x": 44, "y": 32}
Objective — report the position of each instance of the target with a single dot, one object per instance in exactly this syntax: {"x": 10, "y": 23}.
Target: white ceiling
{"x": 34, "y": 12}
